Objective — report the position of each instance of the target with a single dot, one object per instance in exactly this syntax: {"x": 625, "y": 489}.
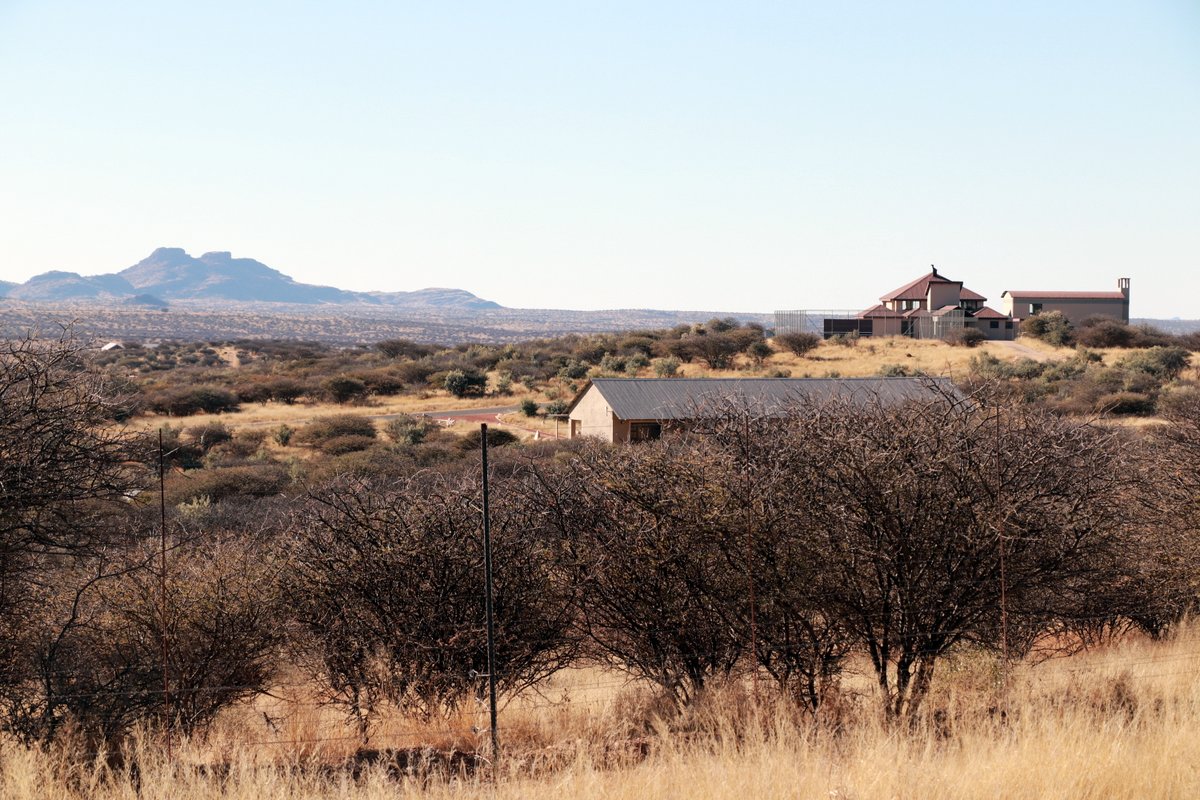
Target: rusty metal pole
{"x": 487, "y": 570}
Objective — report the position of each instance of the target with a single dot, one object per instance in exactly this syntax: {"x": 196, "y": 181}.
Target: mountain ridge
{"x": 171, "y": 274}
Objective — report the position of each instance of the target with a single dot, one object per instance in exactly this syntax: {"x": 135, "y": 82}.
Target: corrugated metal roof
{"x": 682, "y": 398}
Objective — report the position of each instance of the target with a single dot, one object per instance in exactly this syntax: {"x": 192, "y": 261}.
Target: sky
{"x": 744, "y": 156}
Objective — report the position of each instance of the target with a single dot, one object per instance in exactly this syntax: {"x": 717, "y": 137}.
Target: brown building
{"x": 929, "y": 308}
{"x": 1075, "y": 306}
{"x": 639, "y": 409}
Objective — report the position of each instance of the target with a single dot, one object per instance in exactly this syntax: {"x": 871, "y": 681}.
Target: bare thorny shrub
{"x": 866, "y": 526}
{"x": 94, "y": 636}
{"x": 387, "y": 584}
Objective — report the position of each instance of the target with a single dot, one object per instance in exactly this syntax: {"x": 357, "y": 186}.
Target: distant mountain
{"x": 57, "y": 285}
{"x": 170, "y": 274}
{"x": 147, "y": 300}
{"x": 5, "y": 286}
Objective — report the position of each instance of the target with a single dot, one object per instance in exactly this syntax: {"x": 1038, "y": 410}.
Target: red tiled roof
{"x": 916, "y": 312}
{"x": 1019, "y": 295}
{"x": 879, "y": 311}
{"x": 989, "y": 313}
{"x": 918, "y": 289}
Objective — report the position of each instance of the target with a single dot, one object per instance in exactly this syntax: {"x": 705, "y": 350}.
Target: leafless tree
{"x": 387, "y": 582}
{"x": 933, "y": 519}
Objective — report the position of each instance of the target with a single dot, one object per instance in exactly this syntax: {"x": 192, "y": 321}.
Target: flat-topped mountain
{"x": 169, "y": 273}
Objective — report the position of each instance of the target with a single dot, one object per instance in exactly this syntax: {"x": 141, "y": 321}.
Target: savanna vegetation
{"x": 840, "y": 582}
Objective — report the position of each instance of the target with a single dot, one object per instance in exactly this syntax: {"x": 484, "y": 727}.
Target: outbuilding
{"x": 640, "y": 409}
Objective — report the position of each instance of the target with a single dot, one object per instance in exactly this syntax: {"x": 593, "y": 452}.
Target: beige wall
{"x": 885, "y": 326}
{"x": 591, "y": 416}
{"x": 943, "y": 294}
{"x": 1075, "y": 310}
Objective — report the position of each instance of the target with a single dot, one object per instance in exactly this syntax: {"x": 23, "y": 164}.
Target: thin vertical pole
{"x": 750, "y": 565}
{"x": 162, "y": 589}
{"x": 1003, "y": 576}
{"x": 487, "y": 570}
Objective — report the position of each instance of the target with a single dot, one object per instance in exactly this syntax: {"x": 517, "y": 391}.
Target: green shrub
{"x": 529, "y": 407}
{"x": 345, "y": 389}
{"x": 504, "y": 383}
{"x": 282, "y": 435}
{"x": 407, "y": 429}
{"x": 1051, "y": 327}
{"x": 190, "y": 400}
{"x": 846, "y": 339}
{"x": 666, "y": 367}
{"x": 224, "y": 483}
{"x": 965, "y": 337}
{"x": 557, "y": 408}
{"x": 208, "y": 436}
{"x": 335, "y": 426}
{"x": 340, "y": 445}
{"x": 798, "y": 343}
{"x": 573, "y": 370}
{"x": 635, "y": 363}
{"x": 895, "y": 371}
{"x": 1166, "y": 363}
{"x": 464, "y": 383}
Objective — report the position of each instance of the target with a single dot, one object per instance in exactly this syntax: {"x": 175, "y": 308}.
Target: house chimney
{"x": 932, "y": 267}
{"x": 1123, "y": 285}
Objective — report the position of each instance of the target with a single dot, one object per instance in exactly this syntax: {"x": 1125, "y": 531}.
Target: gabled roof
{"x": 685, "y": 398}
{"x": 945, "y": 310}
{"x": 1021, "y": 295}
{"x": 919, "y": 289}
{"x": 879, "y": 311}
{"x": 988, "y": 313}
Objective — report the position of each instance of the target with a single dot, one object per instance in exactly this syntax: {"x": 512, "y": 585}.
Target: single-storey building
{"x": 1075, "y": 306}
{"x": 639, "y": 409}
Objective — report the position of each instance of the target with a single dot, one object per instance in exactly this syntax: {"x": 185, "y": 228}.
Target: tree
{"x": 918, "y": 502}
{"x": 344, "y": 389}
{"x": 647, "y": 567}
{"x": 388, "y": 583}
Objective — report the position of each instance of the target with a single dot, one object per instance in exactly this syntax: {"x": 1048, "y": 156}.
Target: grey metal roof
{"x": 681, "y": 398}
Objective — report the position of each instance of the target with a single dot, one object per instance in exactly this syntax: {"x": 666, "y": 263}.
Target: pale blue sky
{"x": 733, "y": 156}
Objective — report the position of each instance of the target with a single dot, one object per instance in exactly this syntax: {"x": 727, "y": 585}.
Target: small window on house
{"x": 644, "y": 431}
{"x": 995, "y": 323}
{"x": 1008, "y": 325}
{"x": 1035, "y": 308}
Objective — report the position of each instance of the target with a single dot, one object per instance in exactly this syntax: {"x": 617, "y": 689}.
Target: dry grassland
{"x": 1118, "y": 722}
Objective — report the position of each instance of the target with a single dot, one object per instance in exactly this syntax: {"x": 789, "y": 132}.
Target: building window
{"x": 1008, "y": 325}
{"x": 1035, "y": 308}
{"x": 644, "y": 431}
{"x": 995, "y": 323}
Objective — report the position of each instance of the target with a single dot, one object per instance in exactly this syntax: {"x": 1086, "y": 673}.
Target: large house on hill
{"x": 933, "y": 306}
{"x": 640, "y": 409}
{"x": 930, "y": 307}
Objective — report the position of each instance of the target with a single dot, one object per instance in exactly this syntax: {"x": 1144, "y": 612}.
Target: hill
{"x": 171, "y": 274}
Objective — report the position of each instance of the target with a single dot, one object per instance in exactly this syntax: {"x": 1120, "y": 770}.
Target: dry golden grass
{"x": 869, "y": 356}
{"x": 1118, "y": 722}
